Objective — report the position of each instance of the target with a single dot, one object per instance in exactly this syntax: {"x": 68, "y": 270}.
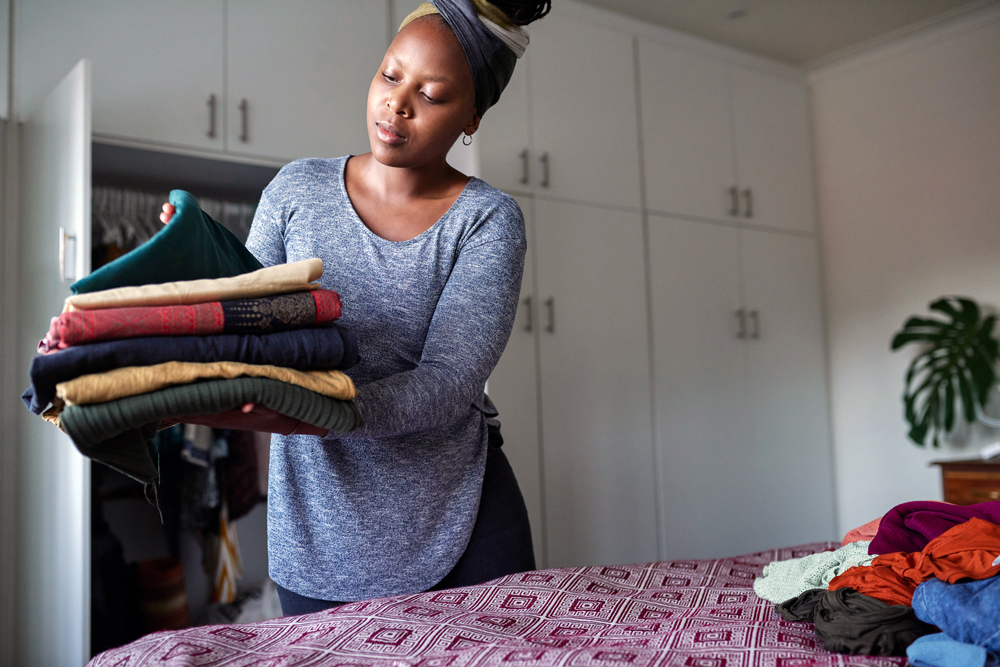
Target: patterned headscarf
{"x": 491, "y": 43}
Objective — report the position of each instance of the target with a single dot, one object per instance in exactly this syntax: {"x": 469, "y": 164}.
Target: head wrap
{"x": 491, "y": 43}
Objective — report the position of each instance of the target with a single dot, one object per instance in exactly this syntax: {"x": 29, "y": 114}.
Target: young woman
{"x": 428, "y": 264}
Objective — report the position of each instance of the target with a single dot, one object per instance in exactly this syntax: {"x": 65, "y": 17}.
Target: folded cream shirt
{"x": 132, "y": 380}
{"x": 279, "y": 279}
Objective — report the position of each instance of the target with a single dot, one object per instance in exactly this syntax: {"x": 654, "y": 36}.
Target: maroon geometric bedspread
{"x": 683, "y": 613}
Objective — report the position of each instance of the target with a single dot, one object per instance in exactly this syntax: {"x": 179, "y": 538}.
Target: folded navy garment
{"x": 968, "y": 612}
{"x": 318, "y": 348}
{"x": 191, "y": 247}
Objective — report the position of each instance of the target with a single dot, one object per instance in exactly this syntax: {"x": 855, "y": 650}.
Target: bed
{"x": 681, "y": 613}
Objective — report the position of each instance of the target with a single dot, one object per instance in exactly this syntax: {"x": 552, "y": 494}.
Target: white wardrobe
{"x": 664, "y": 391}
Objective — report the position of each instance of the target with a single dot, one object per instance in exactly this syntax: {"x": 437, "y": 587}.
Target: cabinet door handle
{"x": 544, "y": 159}
{"x": 748, "y": 197}
{"x": 985, "y": 495}
{"x": 741, "y": 315}
{"x": 525, "y": 166}
{"x": 212, "y": 111}
{"x": 755, "y": 321}
{"x": 244, "y": 120}
{"x": 734, "y": 201}
{"x": 550, "y": 304}
{"x": 67, "y": 256}
{"x": 528, "y": 325}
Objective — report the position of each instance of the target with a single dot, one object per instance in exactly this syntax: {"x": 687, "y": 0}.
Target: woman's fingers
{"x": 168, "y": 212}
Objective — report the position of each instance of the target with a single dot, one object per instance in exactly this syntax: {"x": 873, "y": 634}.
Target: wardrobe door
{"x": 53, "y": 479}
{"x": 789, "y": 432}
{"x": 513, "y": 386}
{"x": 699, "y": 353}
{"x": 773, "y": 150}
{"x": 504, "y": 138}
{"x": 599, "y": 480}
{"x": 686, "y": 132}
{"x": 582, "y": 91}
{"x": 156, "y": 65}
{"x": 298, "y": 75}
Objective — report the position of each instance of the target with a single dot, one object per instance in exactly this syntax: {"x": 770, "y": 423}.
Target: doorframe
{"x": 9, "y": 418}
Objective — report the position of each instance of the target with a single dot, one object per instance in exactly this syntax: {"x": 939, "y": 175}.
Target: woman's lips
{"x": 389, "y": 133}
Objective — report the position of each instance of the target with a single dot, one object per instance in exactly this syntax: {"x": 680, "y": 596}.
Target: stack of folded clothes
{"x": 190, "y": 324}
{"x": 926, "y": 585}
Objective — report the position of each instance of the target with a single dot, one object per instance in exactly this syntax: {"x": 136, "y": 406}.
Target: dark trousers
{"x": 500, "y": 542}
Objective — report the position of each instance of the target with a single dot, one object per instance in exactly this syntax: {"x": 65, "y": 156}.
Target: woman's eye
{"x": 431, "y": 99}
{"x": 388, "y": 77}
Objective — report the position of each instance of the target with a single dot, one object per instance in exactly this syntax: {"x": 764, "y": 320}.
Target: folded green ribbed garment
{"x": 115, "y": 432}
{"x": 191, "y": 247}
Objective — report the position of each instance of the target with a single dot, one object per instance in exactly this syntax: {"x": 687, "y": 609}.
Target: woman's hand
{"x": 168, "y": 212}
{"x": 253, "y": 417}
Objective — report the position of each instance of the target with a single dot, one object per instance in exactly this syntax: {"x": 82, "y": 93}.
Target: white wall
{"x": 908, "y": 166}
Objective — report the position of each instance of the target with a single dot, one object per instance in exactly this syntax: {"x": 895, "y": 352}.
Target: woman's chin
{"x": 394, "y": 156}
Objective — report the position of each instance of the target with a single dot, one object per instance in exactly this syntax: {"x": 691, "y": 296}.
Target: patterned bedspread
{"x": 683, "y": 613}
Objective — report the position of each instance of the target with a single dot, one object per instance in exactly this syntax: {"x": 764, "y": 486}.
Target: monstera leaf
{"x": 954, "y": 371}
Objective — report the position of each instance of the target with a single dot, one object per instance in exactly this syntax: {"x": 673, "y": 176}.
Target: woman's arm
{"x": 468, "y": 333}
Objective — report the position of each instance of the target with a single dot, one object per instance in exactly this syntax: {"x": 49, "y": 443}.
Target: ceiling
{"x": 797, "y": 32}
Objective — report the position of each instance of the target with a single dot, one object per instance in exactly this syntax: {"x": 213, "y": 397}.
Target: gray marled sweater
{"x": 389, "y": 510}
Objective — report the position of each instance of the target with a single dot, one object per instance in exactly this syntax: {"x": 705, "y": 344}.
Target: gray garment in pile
{"x": 786, "y": 579}
{"x": 390, "y": 508}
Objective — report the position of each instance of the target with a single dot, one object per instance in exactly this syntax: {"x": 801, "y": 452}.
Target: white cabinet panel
{"x": 513, "y": 386}
{"x": 600, "y": 499}
{"x": 583, "y": 112}
{"x": 53, "y": 575}
{"x": 686, "y": 131}
{"x": 155, "y": 64}
{"x": 504, "y": 137}
{"x": 789, "y": 421}
{"x": 304, "y": 68}
{"x": 773, "y": 149}
{"x": 700, "y": 382}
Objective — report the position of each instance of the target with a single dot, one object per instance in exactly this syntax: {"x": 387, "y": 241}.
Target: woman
{"x": 428, "y": 263}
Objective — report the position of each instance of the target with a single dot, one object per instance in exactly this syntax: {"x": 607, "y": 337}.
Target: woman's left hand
{"x": 253, "y": 417}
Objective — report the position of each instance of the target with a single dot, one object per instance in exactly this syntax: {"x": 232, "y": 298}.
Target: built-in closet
{"x": 664, "y": 388}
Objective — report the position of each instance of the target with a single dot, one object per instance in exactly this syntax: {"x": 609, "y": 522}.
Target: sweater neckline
{"x": 367, "y": 230}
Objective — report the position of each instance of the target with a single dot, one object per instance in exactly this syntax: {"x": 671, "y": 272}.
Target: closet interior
{"x": 135, "y": 529}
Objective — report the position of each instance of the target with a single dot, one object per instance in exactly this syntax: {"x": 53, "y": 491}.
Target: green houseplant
{"x": 954, "y": 371}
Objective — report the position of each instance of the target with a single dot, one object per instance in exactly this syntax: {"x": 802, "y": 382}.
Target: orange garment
{"x": 865, "y": 532}
{"x": 966, "y": 551}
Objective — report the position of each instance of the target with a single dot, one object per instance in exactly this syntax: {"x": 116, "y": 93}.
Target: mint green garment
{"x": 115, "y": 432}
{"x": 193, "y": 246}
{"x": 786, "y": 579}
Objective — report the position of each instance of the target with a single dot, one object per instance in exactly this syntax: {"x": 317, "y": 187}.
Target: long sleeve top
{"x": 389, "y": 509}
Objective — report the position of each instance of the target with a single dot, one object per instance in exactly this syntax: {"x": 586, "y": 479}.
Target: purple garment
{"x": 910, "y": 526}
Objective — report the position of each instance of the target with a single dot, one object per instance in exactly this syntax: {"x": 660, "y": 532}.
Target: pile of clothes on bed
{"x": 921, "y": 581}
{"x": 190, "y": 324}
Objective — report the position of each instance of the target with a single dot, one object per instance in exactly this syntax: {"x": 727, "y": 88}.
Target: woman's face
{"x": 422, "y": 98}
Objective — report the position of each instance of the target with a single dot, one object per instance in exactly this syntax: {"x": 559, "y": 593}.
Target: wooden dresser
{"x": 970, "y": 481}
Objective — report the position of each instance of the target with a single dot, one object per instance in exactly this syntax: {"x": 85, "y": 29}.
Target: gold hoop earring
{"x": 469, "y": 142}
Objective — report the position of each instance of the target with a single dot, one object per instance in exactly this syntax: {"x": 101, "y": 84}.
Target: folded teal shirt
{"x": 193, "y": 246}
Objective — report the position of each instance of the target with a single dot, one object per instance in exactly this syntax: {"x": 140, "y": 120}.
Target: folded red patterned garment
{"x": 247, "y": 316}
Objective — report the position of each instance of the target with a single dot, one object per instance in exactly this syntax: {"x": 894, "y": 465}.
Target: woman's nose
{"x": 398, "y": 103}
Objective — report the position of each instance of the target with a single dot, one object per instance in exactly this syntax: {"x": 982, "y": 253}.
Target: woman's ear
{"x": 472, "y": 125}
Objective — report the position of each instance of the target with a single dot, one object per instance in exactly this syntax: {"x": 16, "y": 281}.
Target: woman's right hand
{"x": 168, "y": 212}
